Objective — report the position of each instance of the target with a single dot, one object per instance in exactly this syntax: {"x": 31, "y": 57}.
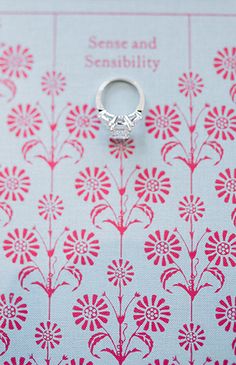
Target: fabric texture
{"x": 117, "y": 252}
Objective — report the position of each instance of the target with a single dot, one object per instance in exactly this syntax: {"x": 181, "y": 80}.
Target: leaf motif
{"x": 49, "y": 292}
{"x": 217, "y": 273}
{"x": 76, "y": 273}
{"x": 6, "y": 208}
{"x": 5, "y": 340}
{"x": 77, "y": 146}
{"x": 205, "y": 158}
{"x": 49, "y": 162}
{"x": 205, "y": 285}
{"x": 94, "y": 340}
{"x": 133, "y": 222}
{"x": 59, "y": 285}
{"x": 132, "y": 351}
{"x": 166, "y": 149}
{"x": 111, "y": 222}
{"x": 217, "y": 148}
{"x": 98, "y": 209}
{"x": 166, "y": 275}
{"x": 143, "y": 336}
{"x": 232, "y": 93}
{"x": 233, "y": 217}
{"x": 234, "y": 345}
{"x": 8, "y": 85}
{"x": 24, "y": 273}
{"x": 183, "y": 286}
{"x": 148, "y": 211}
{"x": 112, "y": 352}
{"x": 27, "y": 147}
{"x": 182, "y": 159}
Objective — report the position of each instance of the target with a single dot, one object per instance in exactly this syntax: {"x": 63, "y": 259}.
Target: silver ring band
{"x": 120, "y": 125}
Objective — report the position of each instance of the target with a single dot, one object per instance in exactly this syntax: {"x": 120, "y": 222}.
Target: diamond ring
{"x": 120, "y": 125}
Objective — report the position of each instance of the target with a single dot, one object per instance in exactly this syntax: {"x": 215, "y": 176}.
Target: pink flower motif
{"x": 152, "y": 185}
{"x": 121, "y": 148}
{"x": 163, "y": 123}
{"x": 13, "y": 184}
{"x": 226, "y": 313}
{"x": 82, "y": 247}
{"x": 221, "y": 123}
{"x": 91, "y": 312}
{"x": 83, "y": 122}
{"x": 225, "y": 185}
{"x": 221, "y": 248}
{"x": 50, "y": 207}
{"x": 224, "y": 362}
{"x": 191, "y": 208}
{"x": 20, "y": 361}
{"x": 21, "y": 245}
{"x": 190, "y": 84}
{"x": 191, "y": 336}
{"x": 12, "y": 312}
{"x": 24, "y": 121}
{"x": 152, "y": 313}
{"x": 162, "y": 248}
{"x": 80, "y": 361}
{"x": 225, "y": 63}
{"x": 16, "y": 62}
{"x": 164, "y": 362}
{"x": 48, "y": 335}
{"x": 92, "y": 184}
{"x": 53, "y": 83}
{"x": 120, "y": 272}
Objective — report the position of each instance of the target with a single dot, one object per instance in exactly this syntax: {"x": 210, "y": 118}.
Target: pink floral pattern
{"x": 83, "y": 122}
{"x": 152, "y": 313}
{"x": 48, "y": 334}
{"x": 221, "y": 248}
{"x": 225, "y": 185}
{"x": 152, "y": 185}
{"x": 226, "y": 313}
{"x": 163, "y": 122}
{"x": 50, "y": 207}
{"x": 80, "y": 361}
{"x": 191, "y": 208}
{"x": 53, "y": 83}
{"x": 221, "y": 123}
{"x": 14, "y": 184}
{"x": 57, "y": 258}
{"x": 81, "y": 247}
{"x": 190, "y": 84}
{"x": 20, "y": 361}
{"x": 24, "y": 121}
{"x": 91, "y": 312}
{"x": 162, "y": 248}
{"x": 21, "y": 246}
{"x": 191, "y": 336}
{"x": 123, "y": 148}
{"x": 13, "y": 311}
{"x": 225, "y": 63}
{"x": 120, "y": 272}
{"x": 92, "y": 184}
{"x": 164, "y": 362}
{"x": 16, "y": 61}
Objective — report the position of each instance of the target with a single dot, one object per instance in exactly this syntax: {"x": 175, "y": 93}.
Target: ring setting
{"x": 120, "y": 126}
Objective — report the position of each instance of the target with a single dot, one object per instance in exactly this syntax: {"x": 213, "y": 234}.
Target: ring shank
{"x": 99, "y": 102}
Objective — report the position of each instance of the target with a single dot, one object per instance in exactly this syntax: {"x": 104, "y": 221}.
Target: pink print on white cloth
{"x": 13, "y": 311}
{"x": 53, "y": 83}
{"x": 21, "y": 245}
{"x": 190, "y": 84}
{"x": 16, "y": 61}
